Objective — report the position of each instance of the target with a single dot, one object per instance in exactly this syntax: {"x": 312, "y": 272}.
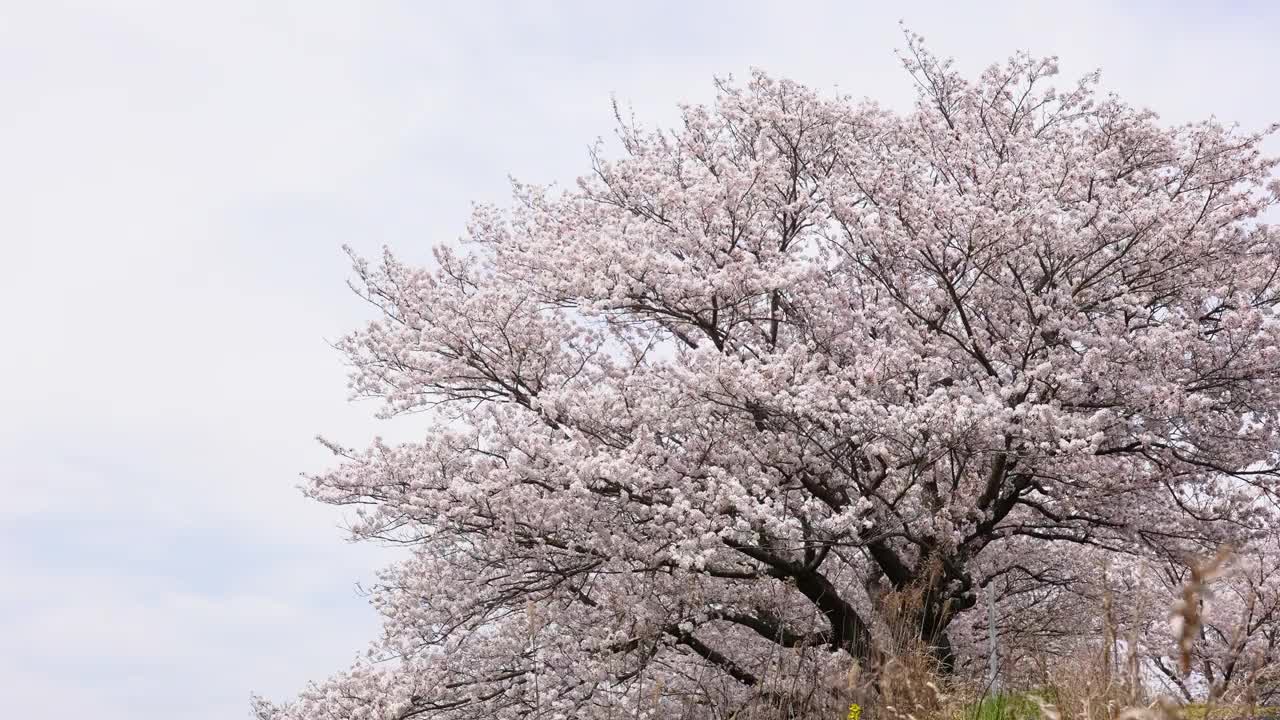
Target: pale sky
{"x": 176, "y": 180}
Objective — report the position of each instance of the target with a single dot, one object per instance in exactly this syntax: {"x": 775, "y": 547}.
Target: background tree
{"x": 1234, "y": 655}
{"x": 692, "y": 417}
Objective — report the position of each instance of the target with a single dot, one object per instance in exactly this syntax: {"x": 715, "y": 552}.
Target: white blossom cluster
{"x": 695, "y": 416}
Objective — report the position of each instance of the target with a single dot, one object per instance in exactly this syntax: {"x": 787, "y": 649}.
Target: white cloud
{"x": 92, "y": 646}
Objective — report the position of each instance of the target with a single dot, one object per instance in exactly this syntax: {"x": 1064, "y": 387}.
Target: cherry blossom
{"x": 692, "y": 417}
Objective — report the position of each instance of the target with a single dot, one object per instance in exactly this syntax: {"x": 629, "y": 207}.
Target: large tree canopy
{"x": 694, "y": 416}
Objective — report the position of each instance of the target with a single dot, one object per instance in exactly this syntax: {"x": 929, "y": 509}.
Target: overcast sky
{"x": 176, "y": 180}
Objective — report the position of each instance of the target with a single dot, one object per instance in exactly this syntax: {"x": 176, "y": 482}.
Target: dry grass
{"x": 1102, "y": 681}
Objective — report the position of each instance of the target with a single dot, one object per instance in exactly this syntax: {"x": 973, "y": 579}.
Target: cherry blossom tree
{"x": 1233, "y": 651}
{"x": 693, "y": 417}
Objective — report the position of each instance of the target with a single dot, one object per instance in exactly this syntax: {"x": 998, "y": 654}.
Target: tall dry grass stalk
{"x": 1103, "y": 679}
{"x": 1187, "y": 608}
{"x": 1086, "y": 691}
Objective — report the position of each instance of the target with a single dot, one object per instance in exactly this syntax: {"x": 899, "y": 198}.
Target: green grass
{"x": 1008, "y": 706}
